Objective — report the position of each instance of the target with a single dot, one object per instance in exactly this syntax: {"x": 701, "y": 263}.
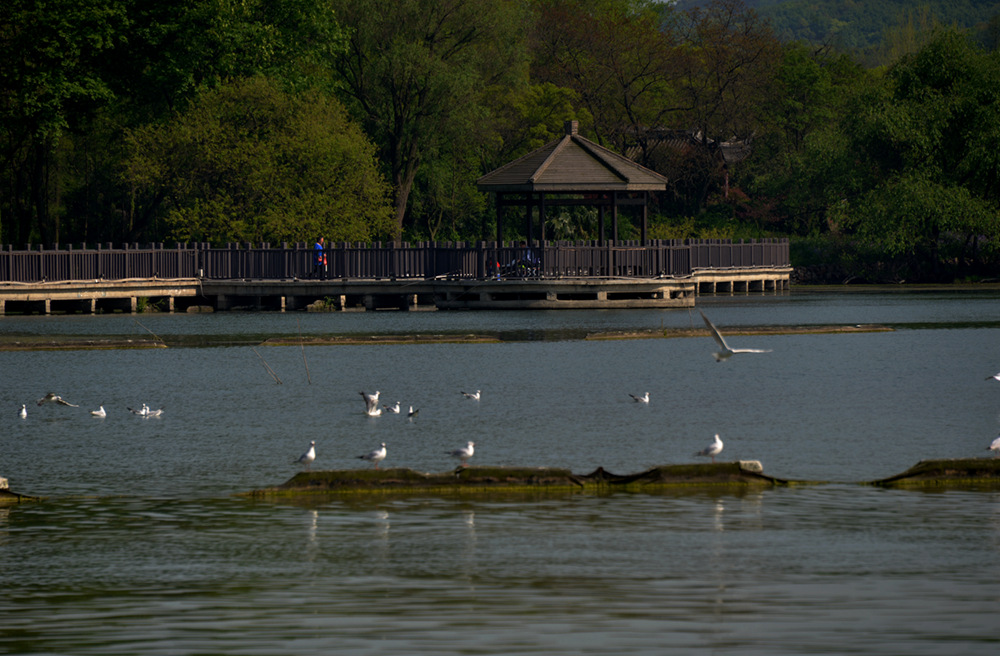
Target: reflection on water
{"x": 141, "y": 547}
{"x": 791, "y": 570}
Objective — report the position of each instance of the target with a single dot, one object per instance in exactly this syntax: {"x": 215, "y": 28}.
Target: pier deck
{"x": 195, "y": 294}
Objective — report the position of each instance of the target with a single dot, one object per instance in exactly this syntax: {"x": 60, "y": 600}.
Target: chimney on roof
{"x": 572, "y": 127}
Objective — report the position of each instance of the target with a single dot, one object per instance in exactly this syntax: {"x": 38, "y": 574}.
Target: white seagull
{"x": 640, "y": 399}
{"x": 712, "y": 449}
{"x": 23, "y": 413}
{"x": 995, "y": 376}
{"x": 55, "y": 398}
{"x": 153, "y": 413}
{"x": 412, "y": 413}
{"x": 725, "y": 353}
{"x": 375, "y": 455}
{"x": 99, "y": 412}
{"x": 142, "y": 412}
{"x": 307, "y": 458}
{"x": 994, "y": 446}
{"x": 371, "y": 404}
{"x": 464, "y": 453}
{"x": 394, "y": 409}
{"x": 472, "y": 395}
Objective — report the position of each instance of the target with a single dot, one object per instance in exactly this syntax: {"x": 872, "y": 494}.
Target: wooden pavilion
{"x": 572, "y": 170}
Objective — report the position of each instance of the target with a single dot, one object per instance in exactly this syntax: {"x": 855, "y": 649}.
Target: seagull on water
{"x": 307, "y": 458}
{"x": 412, "y": 413}
{"x": 725, "y": 353}
{"x": 994, "y": 446}
{"x": 146, "y": 411}
{"x": 371, "y": 404}
{"x": 464, "y": 453}
{"x": 995, "y": 376}
{"x": 472, "y": 395}
{"x": 375, "y": 455}
{"x": 640, "y": 399}
{"x": 712, "y": 449}
{"x": 99, "y": 412}
{"x": 55, "y": 398}
{"x": 23, "y": 413}
{"x": 394, "y": 409}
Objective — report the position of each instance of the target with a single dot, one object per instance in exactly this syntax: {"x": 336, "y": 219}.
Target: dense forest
{"x": 866, "y": 132}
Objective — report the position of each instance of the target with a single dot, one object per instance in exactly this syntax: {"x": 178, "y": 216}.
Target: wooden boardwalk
{"x": 372, "y": 276}
{"x": 193, "y": 294}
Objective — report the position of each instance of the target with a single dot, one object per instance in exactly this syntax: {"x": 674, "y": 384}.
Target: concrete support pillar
{"x": 369, "y": 302}
{"x": 170, "y": 304}
{"x": 3, "y": 307}
{"x": 93, "y": 306}
{"x": 281, "y": 304}
{"x": 48, "y": 307}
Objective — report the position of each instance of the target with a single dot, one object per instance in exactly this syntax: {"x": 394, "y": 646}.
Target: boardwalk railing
{"x": 448, "y": 260}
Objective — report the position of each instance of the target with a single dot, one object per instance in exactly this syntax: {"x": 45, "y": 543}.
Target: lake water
{"x": 142, "y": 547}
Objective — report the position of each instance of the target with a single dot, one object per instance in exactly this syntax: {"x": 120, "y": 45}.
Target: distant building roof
{"x": 572, "y": 164}
{"x": 735, "y": 150}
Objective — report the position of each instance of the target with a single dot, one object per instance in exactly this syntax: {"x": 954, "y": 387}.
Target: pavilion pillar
{"x": 541, "y": 219}
{"x": 600, "y": 224}
{"x": 500, "y": 199}
{"x": 528, "y": 208}
{"x": 614, "y": 217}
{"x": 645, "y": 218}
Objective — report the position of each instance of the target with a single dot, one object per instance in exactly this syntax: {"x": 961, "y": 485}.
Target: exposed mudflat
{"x": 948, "y": 472}
{"x": 470, "y": 479}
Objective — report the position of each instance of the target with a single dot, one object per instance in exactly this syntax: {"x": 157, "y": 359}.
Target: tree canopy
{"x": 218, "y": 120}
{"x": 249, "y": 162}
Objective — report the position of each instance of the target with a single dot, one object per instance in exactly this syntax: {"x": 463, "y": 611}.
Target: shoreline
{"x": 99, "y": 342}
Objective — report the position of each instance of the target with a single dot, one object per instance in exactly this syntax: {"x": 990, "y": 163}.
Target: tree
{"x": 249, "y": 162}
{"x": 50, "y": 83}
{"x": 925, "y": 141}
{"x": 729, "y": 64}
{"x": 419, "y": 74}
{"x": 620, "y": 59}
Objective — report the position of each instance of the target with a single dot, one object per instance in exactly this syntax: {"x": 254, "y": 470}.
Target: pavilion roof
{"x": 572, "y": 164}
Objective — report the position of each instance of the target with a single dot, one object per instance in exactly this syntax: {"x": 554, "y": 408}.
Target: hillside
{"x": 865, "y": 27}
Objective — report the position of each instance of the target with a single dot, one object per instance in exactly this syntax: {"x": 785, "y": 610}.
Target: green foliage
{"x": 422, "y": 75}
{"x": 249, "y": 162}
{"x": 926, "y": 192}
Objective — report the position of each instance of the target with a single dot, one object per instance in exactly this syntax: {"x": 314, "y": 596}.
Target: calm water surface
{"x": 141, "y": 547}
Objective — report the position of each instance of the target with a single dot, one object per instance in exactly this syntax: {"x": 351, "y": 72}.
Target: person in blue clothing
{"x": 319, "y": 260}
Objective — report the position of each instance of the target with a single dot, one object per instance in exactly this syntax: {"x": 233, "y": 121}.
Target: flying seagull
{"x": 995, "y": 446}
{"x": 464, "y": 453}
{"x": 307, "y": 458}
{"x": 640, "y": 399}
{"x": 375, "y": 455}
{"x": 725, "y": 353}
{"x": 371, "y": 404}
{"x": 55, "y": 398}
{"x": 712, "y": 449}
{"x": 994, "y": 377}
{"x": 99, "y": 412}
{"x": 472, "y": 395}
